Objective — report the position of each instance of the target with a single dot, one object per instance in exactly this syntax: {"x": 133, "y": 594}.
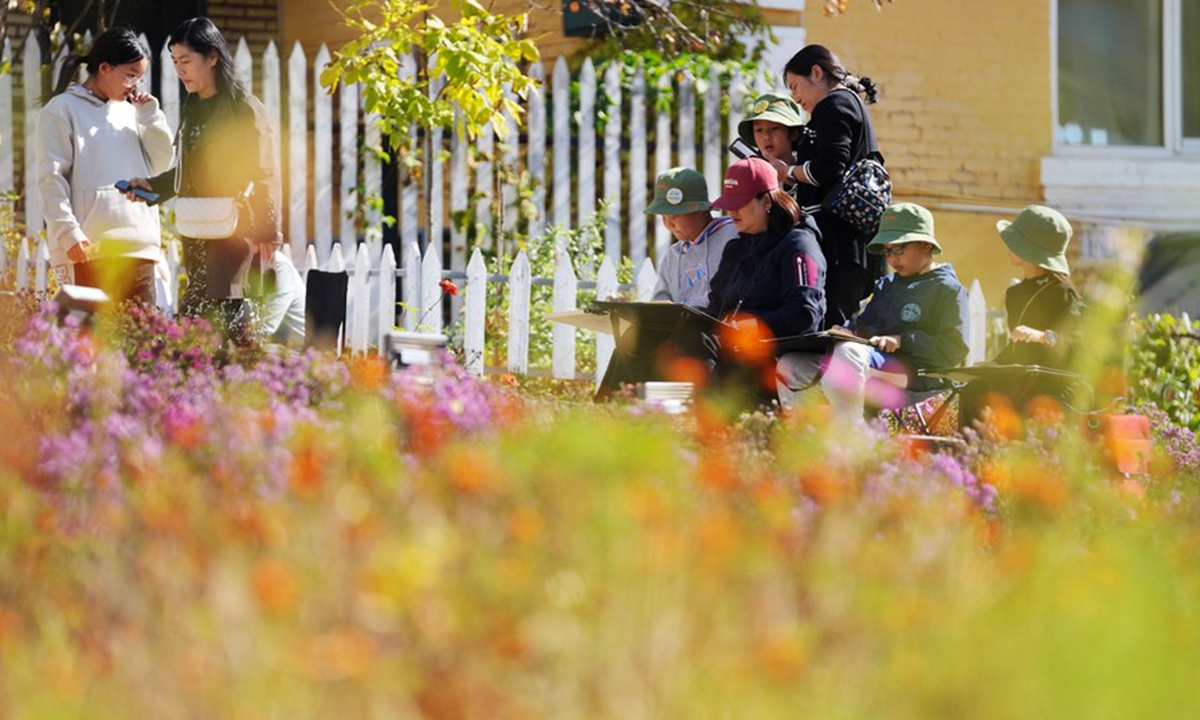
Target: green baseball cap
{"x": 774, "y": 107}
{"x": 904, "y": 223}
{"x": 1039, "y": 235}
{"x": 679, "y": 191}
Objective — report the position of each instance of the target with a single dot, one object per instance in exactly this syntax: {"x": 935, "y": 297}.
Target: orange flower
{"x": 307, "y": 474}
{"x": 525, "y": 524}
{"x": 275, "y": 586}
{"x": 368, "y": 372}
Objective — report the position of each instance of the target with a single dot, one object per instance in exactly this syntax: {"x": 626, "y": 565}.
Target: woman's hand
{"x": 780, "y": 166}
{"x": 80, "y": 252}
{"x": 1022, "y": 333}
{"x": 137, "y": 183}
{"x": 140, "y": 98}
{"x": 886, "y": 343}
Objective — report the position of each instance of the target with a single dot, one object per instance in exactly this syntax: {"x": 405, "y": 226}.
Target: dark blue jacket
{"x": 779, "y": 279}
{"x": 928, "y": 312}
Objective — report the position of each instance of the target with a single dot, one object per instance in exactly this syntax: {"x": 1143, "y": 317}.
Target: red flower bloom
{"x": 448, "y": 286}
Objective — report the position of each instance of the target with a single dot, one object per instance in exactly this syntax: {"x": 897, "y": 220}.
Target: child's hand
{"x": 1021, "y": 333}
{"x": 80, "y": 252}
{"x": 886, "y": 343}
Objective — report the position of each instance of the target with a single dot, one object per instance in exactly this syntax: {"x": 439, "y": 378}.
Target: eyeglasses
{"x": 889, "y": 250}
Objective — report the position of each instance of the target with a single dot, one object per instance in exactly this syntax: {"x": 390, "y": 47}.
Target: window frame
{"x": 1174, "y": 143}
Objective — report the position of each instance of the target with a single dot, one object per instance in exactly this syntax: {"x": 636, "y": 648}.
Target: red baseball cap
{"x": 744, "y": 181}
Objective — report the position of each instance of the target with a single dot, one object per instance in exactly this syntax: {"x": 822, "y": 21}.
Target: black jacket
{"x": 1048, "y": 302}
{"x": 838, "y": 134}
{"x": 226, "y": 147}
{"x": 779, "y": 279}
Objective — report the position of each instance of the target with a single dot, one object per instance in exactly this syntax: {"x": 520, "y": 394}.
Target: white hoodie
{"x": 84, "y": 146}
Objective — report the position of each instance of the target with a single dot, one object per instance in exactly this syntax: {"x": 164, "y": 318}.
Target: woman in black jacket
{"x": 838, "y": 133}
{"x": 226, "y": 148}
{"x": 771, "y": 279}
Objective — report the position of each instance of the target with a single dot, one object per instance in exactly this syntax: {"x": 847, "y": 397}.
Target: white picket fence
{"x": 570, "y": 129}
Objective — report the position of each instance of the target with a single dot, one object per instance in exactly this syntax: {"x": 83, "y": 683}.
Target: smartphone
{"x": 124, "y": 186}
{"x": 743, "y": 149}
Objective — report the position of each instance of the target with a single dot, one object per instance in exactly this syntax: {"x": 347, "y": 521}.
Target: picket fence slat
{"x": 372, "y": 176}
{"x": 359, "y": 311}
{"x": 519, "y": 286}
{"x": 737, "y": 102}
{"x": 431, "y": 293}
{"x": 412, "y": 286}
{"x": 348, "y": 160}
{"x": 662, "y": 160}
{"x": 606, "y": 286}
{"x": 243, "y": 65}
{"x": 23, "y": 264}
{"x": 536, "y": 160}
{"x": 687, "y": 121}
{"x": 272, "y": 82}
{"x": 561, "y": 87}
{"x": 646, "y": 280}
{"x": 565, "y": 294}
{"x": 168, "y": 88}
{"x": 475, "y": 313}
{"x": 311, "y": 261}
{"x": 508, "y": 193}
{"x": 612, "y": 162}
{"x": 409, "y": 194}
{"x": 587, "y": 143}
{"x": 297, "y": 227}
{"x": 712, "y": 135}
{"x": 32, "y": 77}
{"x": 6, "y": 123}
{"x": 387, "y": 295}
{"x": 637, "y": 166}
{"x": 41, "y": 267}
{"x": 977, "y": 325}
{"x": 322, "y": 156}
{"x": 485, "y": 147}
{"x": 435, "y": 192}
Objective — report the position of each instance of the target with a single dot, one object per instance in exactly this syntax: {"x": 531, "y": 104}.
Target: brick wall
{"x": 964, "y": 112}
{"x": 255, "y": 20}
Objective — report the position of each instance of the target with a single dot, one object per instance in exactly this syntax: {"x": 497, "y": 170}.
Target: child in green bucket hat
{"x": 1044, "y": 305}
{"x": 684, "y": 271}
{"x": 773, "y": 125}
{"x": 1043, "y": 312}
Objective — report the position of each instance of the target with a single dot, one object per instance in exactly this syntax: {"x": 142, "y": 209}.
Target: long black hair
{"x": 802, "y": 64}
{"x": 116, "y": 46}
{"x": 202, "y": 36}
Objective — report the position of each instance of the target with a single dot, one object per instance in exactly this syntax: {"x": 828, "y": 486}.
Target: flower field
{"x": 186, "y": 534}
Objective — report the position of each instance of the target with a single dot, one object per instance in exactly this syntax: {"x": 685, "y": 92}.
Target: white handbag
{"x": 205, "y": 218}
{"x": 210, "y": 218}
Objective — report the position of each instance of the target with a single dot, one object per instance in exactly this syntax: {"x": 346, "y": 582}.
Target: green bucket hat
{"x": 774, "y": 107}
{"x": 904, "y": 223}
{"x": 1039, "y": 235}
{"x": 679, "y": 191}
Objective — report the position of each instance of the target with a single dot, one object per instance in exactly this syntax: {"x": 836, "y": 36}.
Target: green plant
{"x": 1165, "y": 367}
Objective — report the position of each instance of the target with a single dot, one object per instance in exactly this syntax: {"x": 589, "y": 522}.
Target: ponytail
{"x": 820, "y": 56}
{"x": 784, "y": 212}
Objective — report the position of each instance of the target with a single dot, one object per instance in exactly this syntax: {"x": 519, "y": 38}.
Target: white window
{"x": 1128, "y": 74}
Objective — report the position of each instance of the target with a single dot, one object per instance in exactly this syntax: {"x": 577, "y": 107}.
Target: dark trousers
{"x": 122, "y": 279}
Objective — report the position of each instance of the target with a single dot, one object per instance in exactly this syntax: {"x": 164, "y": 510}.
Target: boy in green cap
{"x": 684, "y": 272}
{"x": 916, "y": 320}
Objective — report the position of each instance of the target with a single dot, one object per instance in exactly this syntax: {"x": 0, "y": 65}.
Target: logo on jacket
{"x": 910, "y": 313}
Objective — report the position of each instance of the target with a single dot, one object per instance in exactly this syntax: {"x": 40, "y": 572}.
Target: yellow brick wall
{"x": 964, "y": 112}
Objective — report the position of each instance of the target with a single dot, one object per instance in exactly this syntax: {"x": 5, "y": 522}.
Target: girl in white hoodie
{"x": 90, "y": 136}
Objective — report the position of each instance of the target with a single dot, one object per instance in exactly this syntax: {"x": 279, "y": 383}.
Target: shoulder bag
{"x": 206, "y": 218}
{"x": 864, "y": 191}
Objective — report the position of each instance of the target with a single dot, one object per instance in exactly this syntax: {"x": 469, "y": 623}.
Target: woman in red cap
{"x": 771, "y": 280}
